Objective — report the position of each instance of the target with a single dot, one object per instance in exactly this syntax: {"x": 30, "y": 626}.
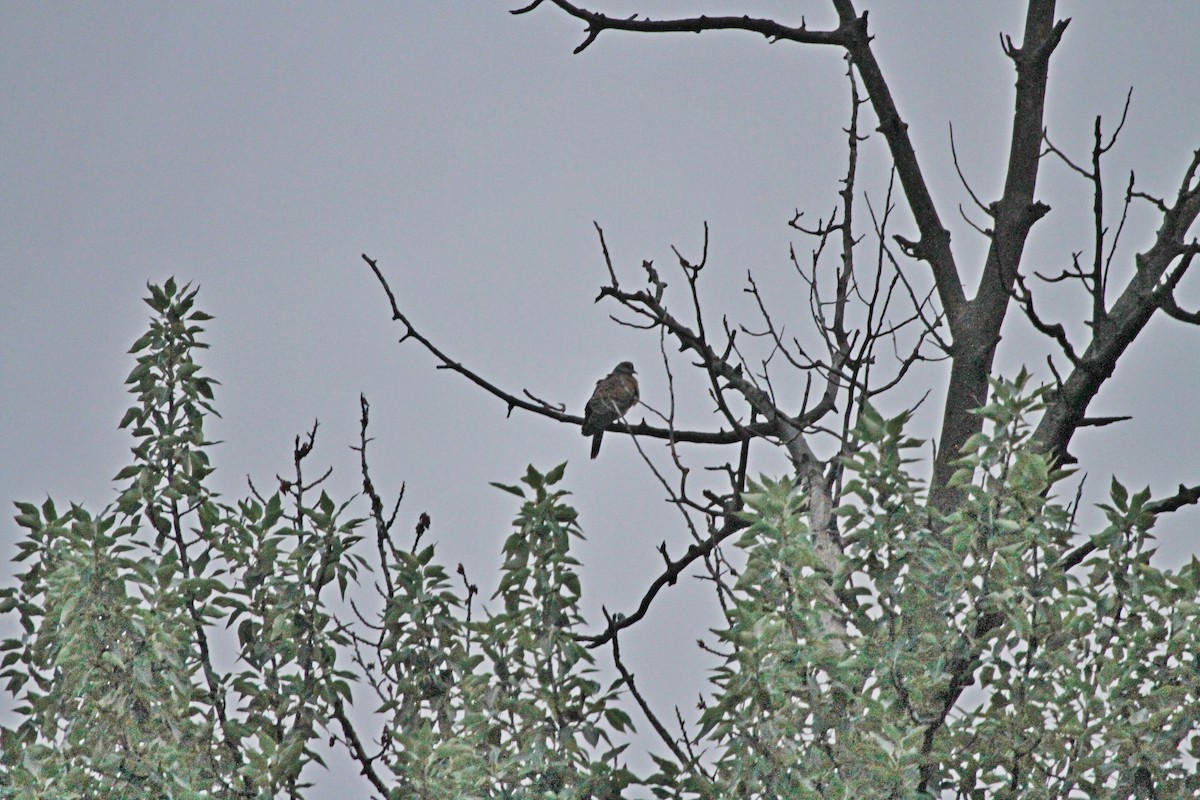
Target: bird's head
{"x": 624, "y": 368}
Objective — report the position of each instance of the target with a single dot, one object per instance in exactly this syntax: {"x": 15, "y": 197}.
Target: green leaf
{"x": 32, "y": 520}
{"x": 533, "y": 479}
{"x": 26, "y": 508}
{"x": 1119, "y": 495}
{"x": 157, "y": 300}
{"x": 619, "y": 720}
{"x": 1138, "y": 501}
{"x": 143, "y": 342}
{"x": 138, "y": 373}
{"x": 128, "y": 472}
{"x": 555, "y": 475}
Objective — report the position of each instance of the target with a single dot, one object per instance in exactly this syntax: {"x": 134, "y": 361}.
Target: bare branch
{"x": 1099, "y": 422}
{"x": 673, "y": 569}
{"x": 976, "y": 331}
{"x": 539, "y": 406}
{"x": 1055, "y": 331}
{"x": 357, "y": 751}
{"x": 962, "y": 178}
{"x": 659, "y": 728}
{"x": 1165, "y": 296}
{"x": 1132, "y": 310}
{"x": 612, "y": 273}
{"x": 851, "y": 34}
{"x": 773, "y": 31}
{"x": 383, "y": 527}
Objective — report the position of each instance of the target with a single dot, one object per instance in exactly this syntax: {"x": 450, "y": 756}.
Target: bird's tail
{"x": 596, "y": 443}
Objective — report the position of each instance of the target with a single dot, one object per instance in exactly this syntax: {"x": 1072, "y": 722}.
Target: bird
{"x": 615, "y": 394}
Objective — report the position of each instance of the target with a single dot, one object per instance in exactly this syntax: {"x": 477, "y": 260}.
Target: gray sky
{"x": 258, "y": 148}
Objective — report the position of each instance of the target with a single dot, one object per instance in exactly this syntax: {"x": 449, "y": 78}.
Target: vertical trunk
{"x": 976, "y": 332}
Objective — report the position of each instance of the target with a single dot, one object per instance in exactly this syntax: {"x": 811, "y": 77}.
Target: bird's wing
{"x": 599, "y": 411}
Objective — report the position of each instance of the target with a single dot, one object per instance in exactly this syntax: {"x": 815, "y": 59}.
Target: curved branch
{"x": 1165, "y": 296}
{"x": 851, "y": 35}
{"x": 667, "y": 578}
{"x": 540, "y": 407}
{"x": 963, "y": 179}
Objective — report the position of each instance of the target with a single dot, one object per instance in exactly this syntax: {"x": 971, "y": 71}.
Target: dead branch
{"x": 1129, "y": 314}
{"x": 772, "y": 30}
{"x": 670, "y": 574}
{"x": 540, "y": 407}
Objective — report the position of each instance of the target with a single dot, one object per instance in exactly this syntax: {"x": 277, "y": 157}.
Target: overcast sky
{"x": 258, "y": 149}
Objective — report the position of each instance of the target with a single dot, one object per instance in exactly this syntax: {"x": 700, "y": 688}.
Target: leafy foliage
{"x": 176, "y": 646}
{"x": 1079, "y": 685}
{"x": 506, "y": 707}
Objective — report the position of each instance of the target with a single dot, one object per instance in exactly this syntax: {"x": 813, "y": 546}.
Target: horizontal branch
{"x": 720, "y": 436}
{"x": 597, "y": 22}
{"x": 851, "y": 35}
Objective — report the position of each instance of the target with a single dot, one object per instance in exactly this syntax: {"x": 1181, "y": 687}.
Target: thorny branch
{"x": 772, "y": 30}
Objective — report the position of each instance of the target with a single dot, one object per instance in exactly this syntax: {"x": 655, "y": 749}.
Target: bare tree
{"x": 871, "y": 311}
{"x": 880, "y": 301}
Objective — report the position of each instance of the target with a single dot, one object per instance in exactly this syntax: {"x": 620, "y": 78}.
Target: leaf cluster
{"x": 174, "y": 645}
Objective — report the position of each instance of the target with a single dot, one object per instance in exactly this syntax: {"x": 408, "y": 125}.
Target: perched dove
{"x": 615, "y": 394}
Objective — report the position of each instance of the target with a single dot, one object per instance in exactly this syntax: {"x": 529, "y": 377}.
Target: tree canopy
{"x": 889, "y": 625}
